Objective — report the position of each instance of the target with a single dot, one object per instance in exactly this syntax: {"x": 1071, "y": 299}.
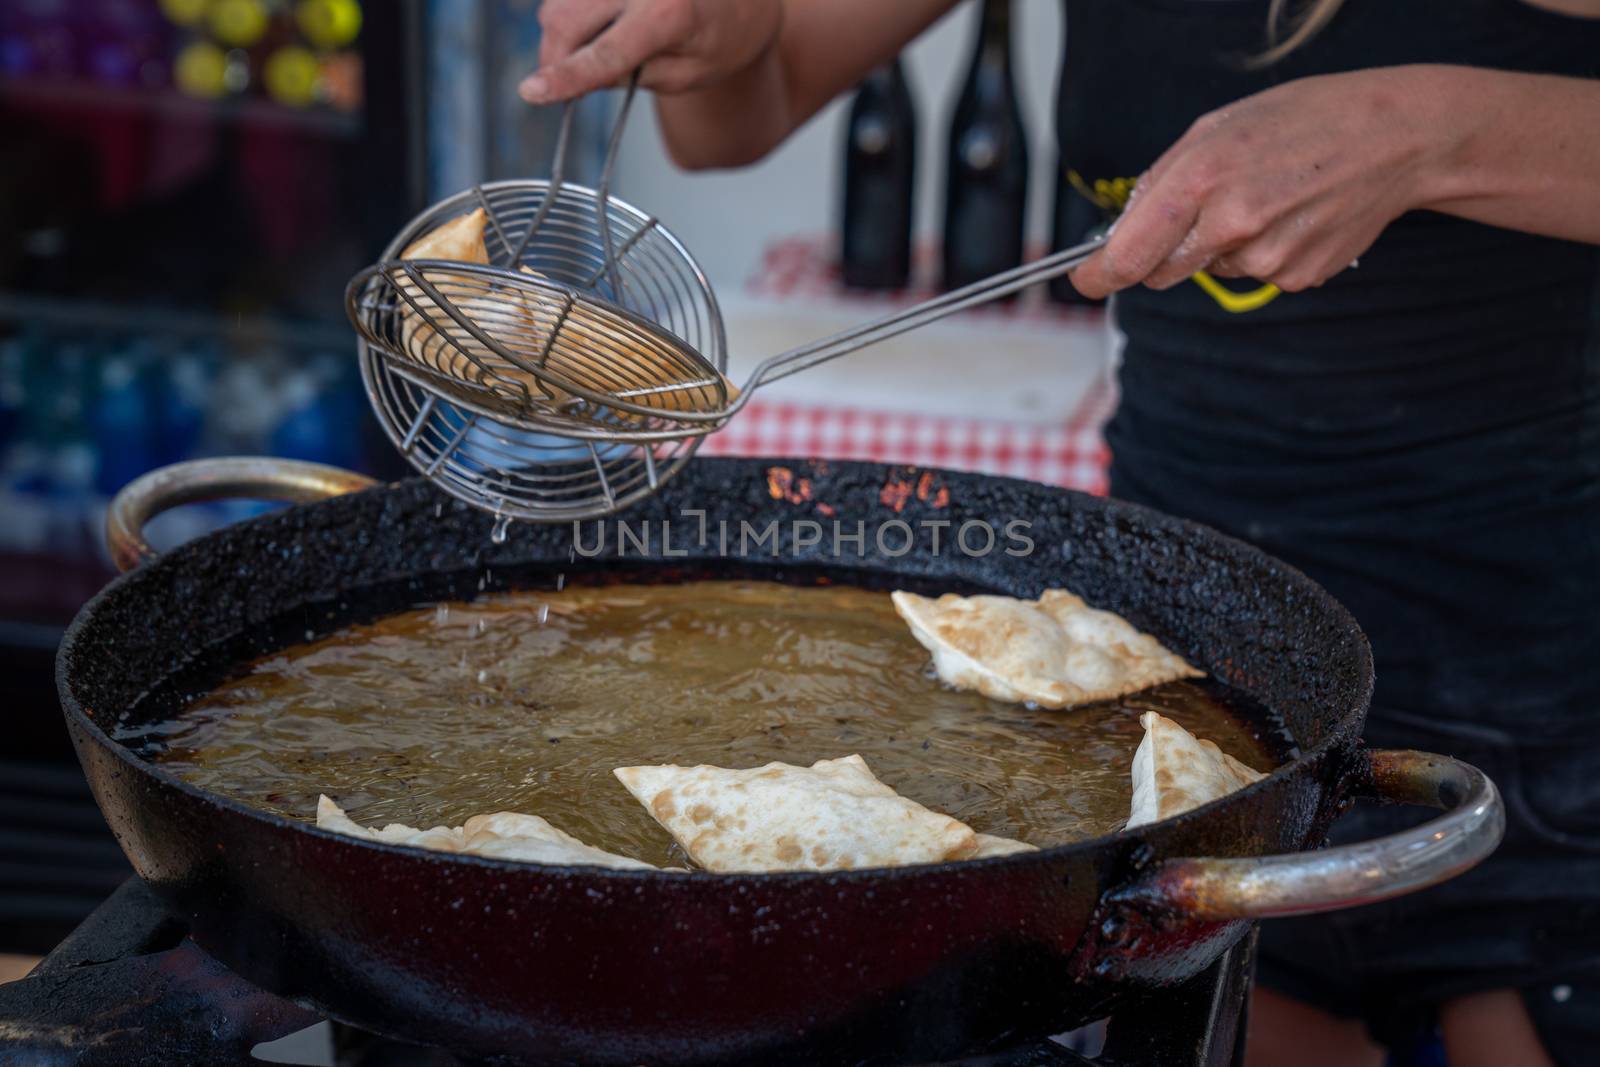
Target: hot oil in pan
{"x": 527, "y": 701}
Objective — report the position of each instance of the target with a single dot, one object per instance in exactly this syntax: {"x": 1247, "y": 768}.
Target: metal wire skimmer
{"x": 580, "y": 369}
{"x": 450, "y": 351}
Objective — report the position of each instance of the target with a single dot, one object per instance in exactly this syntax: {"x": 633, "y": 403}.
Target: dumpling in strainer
{"x": 578, "y": 343}
{"x": 513, "y": 318}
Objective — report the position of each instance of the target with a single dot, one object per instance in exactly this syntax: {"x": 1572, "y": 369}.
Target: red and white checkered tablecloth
{"x": 1070, "y": 453}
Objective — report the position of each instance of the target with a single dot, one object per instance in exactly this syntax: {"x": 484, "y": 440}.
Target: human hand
{"x": 678, "y": 45}
{"x": 1288, "y": 186}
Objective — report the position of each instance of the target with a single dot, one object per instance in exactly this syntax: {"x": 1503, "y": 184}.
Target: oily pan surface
{"x": 528, "y": 701}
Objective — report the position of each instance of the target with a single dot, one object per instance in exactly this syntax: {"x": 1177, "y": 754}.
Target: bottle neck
{"x": 994, "y": 33}
{"x": 884, "y": 79}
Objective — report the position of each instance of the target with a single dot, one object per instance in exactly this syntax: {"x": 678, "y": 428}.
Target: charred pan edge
{"x": 467, "y": 532}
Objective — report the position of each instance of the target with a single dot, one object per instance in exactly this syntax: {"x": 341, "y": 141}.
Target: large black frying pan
{"x": 571, "y": 965}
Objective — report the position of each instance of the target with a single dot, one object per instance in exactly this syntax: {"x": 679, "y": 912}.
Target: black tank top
{"x": 1421, "y": 434}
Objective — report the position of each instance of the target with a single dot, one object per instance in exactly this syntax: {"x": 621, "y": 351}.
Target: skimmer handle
{"x": 968, "y": 296}
{"x": 558, "y": 175}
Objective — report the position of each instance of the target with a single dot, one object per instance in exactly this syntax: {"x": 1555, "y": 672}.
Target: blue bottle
{"x": 186, "y": 379}
{"x": 322, "y": 417}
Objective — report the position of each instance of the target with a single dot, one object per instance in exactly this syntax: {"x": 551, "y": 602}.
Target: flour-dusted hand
{"x": 732, "y": 78}
{"x": 1288, "y": 186}
{"x": 677, "y": 45}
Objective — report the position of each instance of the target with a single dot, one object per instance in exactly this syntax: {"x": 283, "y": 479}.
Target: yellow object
{"x": 185, "y": 12}
{"x": 1113, "y": 196}
{"x": 1230, "y": 301}
{"x": 238, "y": 22}
{"x": 329, "y": 24}
{"x": 1106, "y": 195}
{"x": 291, "y": 76}
{"x": 200, "y": 70}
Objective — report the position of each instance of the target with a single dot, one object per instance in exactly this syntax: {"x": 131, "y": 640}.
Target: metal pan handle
{"x": 241, "y": 477}
{"x": 1302, "y": 883}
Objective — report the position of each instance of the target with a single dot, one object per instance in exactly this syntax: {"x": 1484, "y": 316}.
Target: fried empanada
{"x": 1055, "y": 651}
{"x": 516, "y": 319}
{"x": 832, "y": 815}
{"x": 1174, "y": 771}
{"x": 990, "y": 845}
{"x": 505, "y": 835}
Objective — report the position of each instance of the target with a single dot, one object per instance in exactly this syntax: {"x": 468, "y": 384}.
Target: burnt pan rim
{"x": 1175, "y": 826}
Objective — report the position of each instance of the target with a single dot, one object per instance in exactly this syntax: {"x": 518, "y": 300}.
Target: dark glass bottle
{"x": 880, "y": 157}
{"x": 1074, "y": 217}
{"x": 986, "y": 178}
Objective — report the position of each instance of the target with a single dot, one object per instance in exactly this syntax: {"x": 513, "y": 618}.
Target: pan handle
{"x": 1301, "y": 883}
{"x": 242, "y": 477}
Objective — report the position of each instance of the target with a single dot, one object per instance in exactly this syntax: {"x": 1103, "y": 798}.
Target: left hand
{"x": 1289, "y": 186}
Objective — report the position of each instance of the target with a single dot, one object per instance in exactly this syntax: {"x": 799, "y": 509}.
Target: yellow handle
{"x": 1237, "y": 303}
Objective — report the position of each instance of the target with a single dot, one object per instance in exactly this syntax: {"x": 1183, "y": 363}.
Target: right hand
{"x": 678, "y": 45}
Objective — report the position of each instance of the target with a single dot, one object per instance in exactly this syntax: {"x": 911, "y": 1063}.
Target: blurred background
{"x": 187, "y": 185}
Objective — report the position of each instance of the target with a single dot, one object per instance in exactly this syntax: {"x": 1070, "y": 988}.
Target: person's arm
{"x": 732, "y": 78}
{"x": 1528, "y": 152}
{"x": 1292, "y": 185}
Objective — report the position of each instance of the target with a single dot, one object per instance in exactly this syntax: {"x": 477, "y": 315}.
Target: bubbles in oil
{"x": 528, "y": 702}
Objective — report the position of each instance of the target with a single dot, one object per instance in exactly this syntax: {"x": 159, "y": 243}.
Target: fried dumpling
{"x": 1055, "y": 651}
{"x": 460, "y": 239}
{"x": 504, "y": 835}
{"x": 1173, "y": 771}
{"x": 598, "y": 351}
{"x": 990, "y": 845}
{"x": 442, "y": 838}
{"x": 610, "y": 355}
{"x": 832, "y": 815}
{"x": 509, "y": 316}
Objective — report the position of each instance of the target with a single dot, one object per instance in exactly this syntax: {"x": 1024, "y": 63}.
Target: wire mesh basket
{"x": 456, "y": 396}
